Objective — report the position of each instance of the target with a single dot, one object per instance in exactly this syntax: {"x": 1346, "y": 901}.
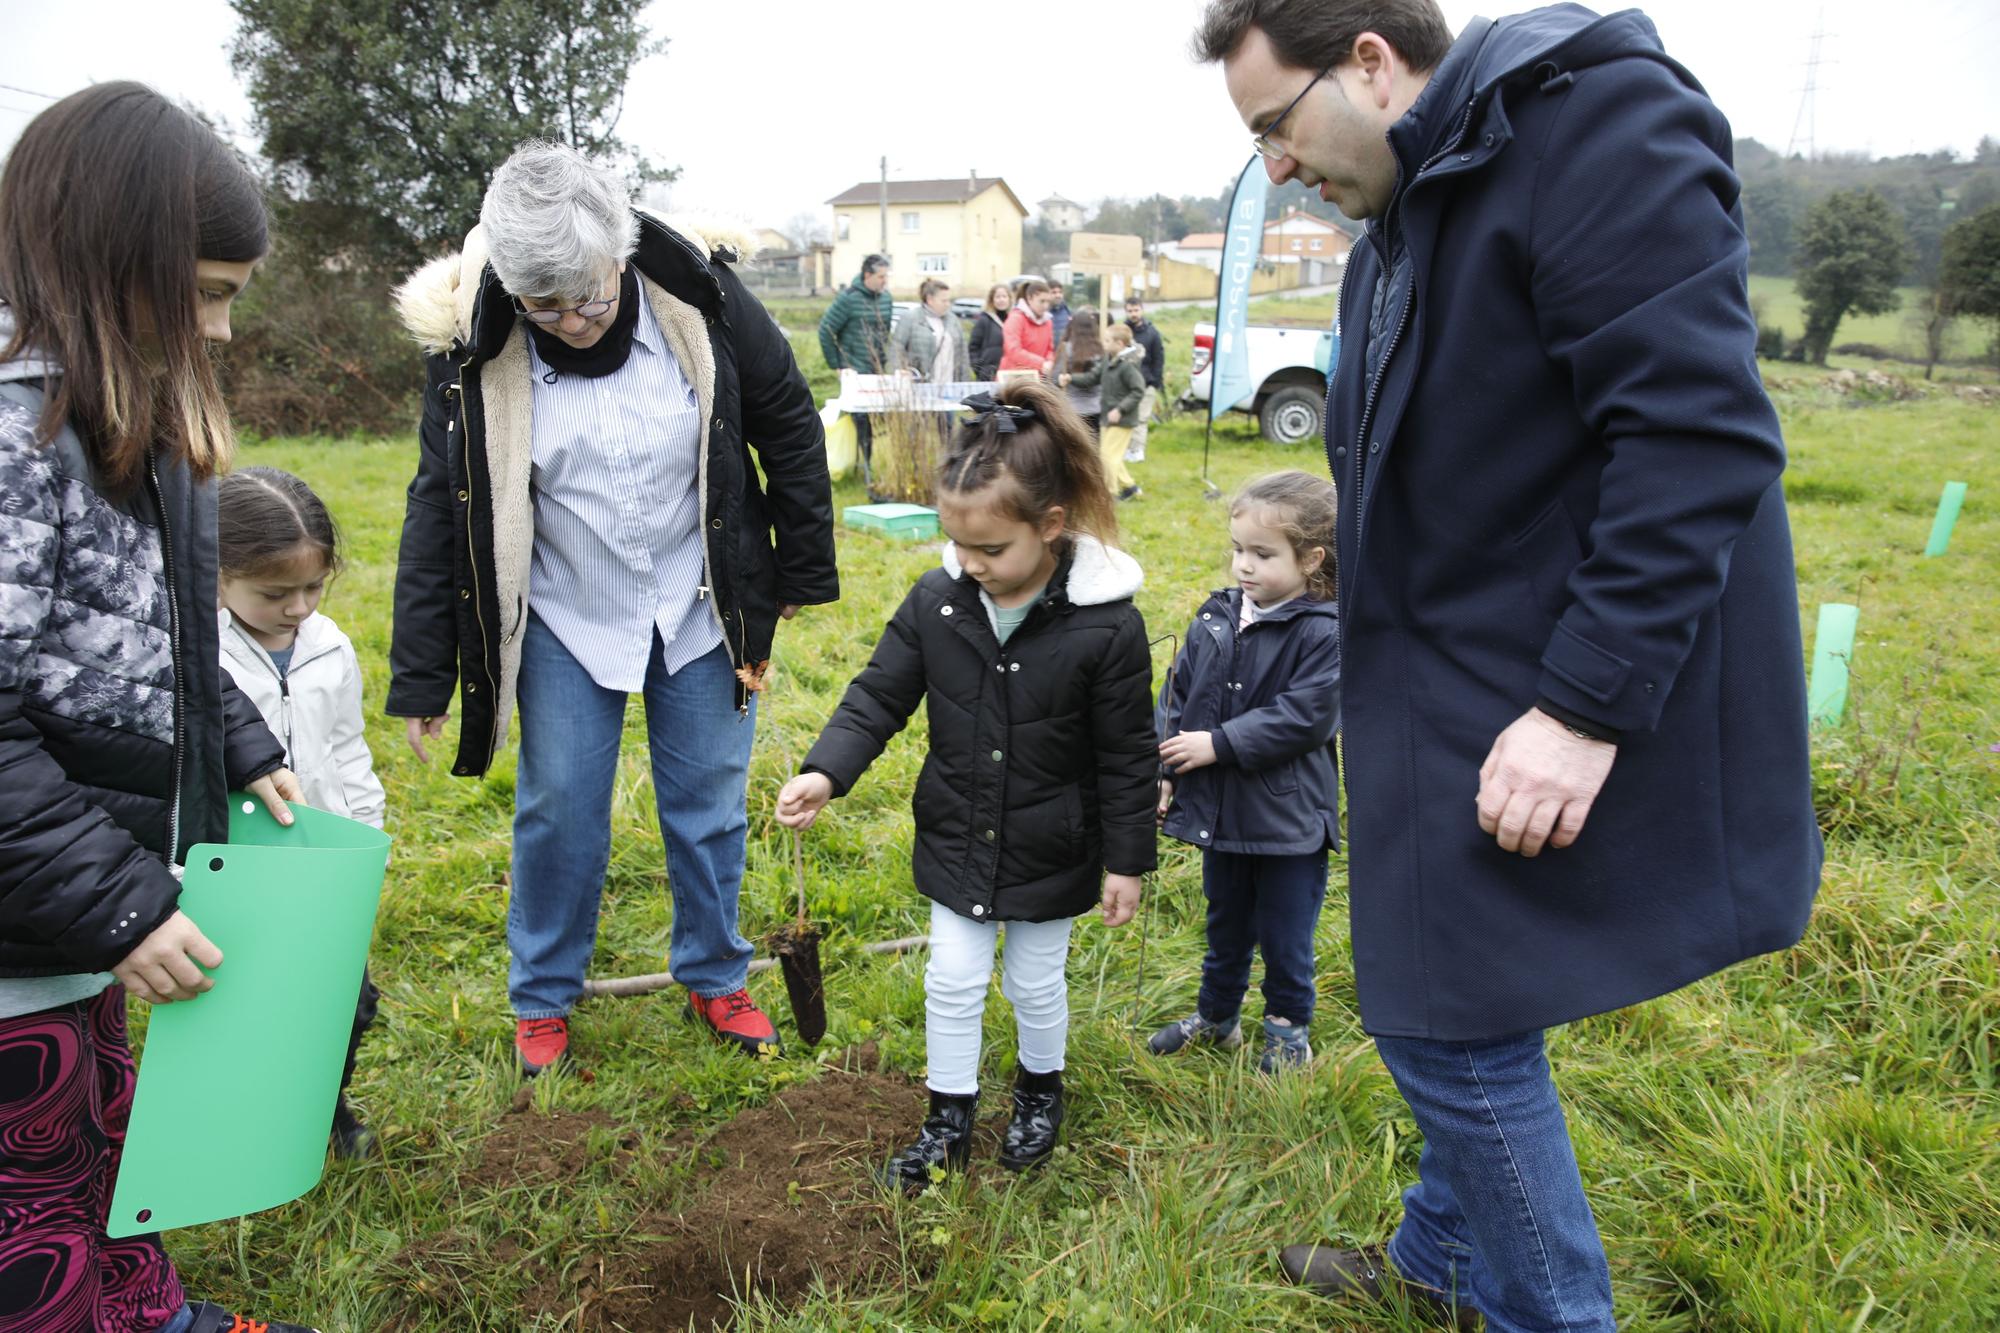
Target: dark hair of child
{"x": 1047, "y": 460}
{"x": 265, "y": 516}
{"x": 1302, "y": 507}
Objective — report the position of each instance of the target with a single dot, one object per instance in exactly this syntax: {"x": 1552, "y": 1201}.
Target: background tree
{"x": 382, "y": 122}
{"x": 1969, "y": 275}
{"x": 1852, "y": 250}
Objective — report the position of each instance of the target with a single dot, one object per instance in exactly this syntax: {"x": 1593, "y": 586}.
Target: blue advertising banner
{"x": 1242, "y": 249}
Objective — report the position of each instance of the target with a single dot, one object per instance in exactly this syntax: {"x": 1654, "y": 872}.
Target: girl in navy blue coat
{"x": 1246, "y": 740}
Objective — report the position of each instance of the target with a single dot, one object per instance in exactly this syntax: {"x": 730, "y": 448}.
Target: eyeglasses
{"x": 1262, "y": 140}
{"x": 588, "y": 310}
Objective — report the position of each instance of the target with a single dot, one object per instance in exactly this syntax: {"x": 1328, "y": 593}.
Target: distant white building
{"x": 1062, "y": 214}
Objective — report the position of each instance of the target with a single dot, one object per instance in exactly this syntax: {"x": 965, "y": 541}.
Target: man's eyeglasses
{"x": 1262, "y": 140}
{"x": 588, "y": 310}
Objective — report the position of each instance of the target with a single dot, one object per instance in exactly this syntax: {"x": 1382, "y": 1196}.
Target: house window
{"x": 1297, "y": 245}
{"x": 933, "y": 263}
{"x": 1317, "y": 242}
{"x": 913, "y": 221}
{"x": 842, "y": 225}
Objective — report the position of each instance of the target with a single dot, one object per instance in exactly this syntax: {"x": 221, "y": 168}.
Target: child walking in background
{"x": 1080, "y": 367}
{"x": 1123, "y": 391}
{"x": 1246, "y": 731}
{"x": 1040, "y": 774}
{"x": 278, "y": 547}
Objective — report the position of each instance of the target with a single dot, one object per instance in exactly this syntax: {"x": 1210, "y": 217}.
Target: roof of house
{"x": 1201, "y": 240}
{"x": 957, "y": 190}
{"x": 1057, "y": 201}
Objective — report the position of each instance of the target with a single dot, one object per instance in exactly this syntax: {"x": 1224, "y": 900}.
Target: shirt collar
{"x": 646, "y": 331}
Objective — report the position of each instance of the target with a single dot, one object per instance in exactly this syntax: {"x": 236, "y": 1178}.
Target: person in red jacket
{"x": 1030, "y": 342}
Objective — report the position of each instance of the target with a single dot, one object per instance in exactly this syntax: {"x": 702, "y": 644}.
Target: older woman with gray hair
{"x": 586, "y": 522}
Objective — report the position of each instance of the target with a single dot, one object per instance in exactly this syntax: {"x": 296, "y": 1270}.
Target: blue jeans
{"x": 1497, "y": 1216}
{"x": 570, "y": 730}
{"x": 1260, "y": 902}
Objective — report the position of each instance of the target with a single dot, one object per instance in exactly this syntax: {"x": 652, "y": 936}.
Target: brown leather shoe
{"x": 1365, "y": 1273}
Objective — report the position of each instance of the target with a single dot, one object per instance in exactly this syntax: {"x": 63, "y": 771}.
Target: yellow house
{"x": 966, "y": 231}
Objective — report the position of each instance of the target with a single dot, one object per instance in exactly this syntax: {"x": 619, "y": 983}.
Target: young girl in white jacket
{"x": 278, "y": 547}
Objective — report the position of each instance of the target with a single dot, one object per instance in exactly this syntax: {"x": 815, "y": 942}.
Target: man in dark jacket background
{"x": 1147, "y": 338}
{"x": 1574, "y": 713}
{"x": 854, "y": 335}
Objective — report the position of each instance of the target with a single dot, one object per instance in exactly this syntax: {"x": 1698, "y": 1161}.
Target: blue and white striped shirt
{"x": 618, "y": 550}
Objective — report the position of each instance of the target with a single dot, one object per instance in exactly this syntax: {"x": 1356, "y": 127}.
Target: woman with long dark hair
{"x": 126, "y": 229}
{"x": 989, "y": 332}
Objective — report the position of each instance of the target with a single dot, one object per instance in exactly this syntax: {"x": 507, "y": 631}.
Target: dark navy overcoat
{"x": 1558, "y": 477}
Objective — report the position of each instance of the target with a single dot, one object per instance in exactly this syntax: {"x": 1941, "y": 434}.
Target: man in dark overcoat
{"x": 1574, "y": 700}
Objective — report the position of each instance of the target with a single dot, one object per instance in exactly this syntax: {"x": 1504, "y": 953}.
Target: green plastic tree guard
{"x": 237, "y": 1086}
{"x": 1833, "y": 645}
{"x": 1949, "y": 504}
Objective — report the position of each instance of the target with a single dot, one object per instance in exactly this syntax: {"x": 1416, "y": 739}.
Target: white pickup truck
{"x": 1288, "y": 369}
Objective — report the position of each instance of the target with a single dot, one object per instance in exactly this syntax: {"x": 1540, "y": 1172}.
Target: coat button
{"x": 996, "y": 756}
{"x": 944, "y": 610}
{"x": 1204, "y": 833}
{"x": 718, "y": 423}
{"x": 1013, "y": 666}
{"x": 1374, "y": 446}
{"x": 1489, "y": 141}
{"x": 464, "y": 594}
{"x": 997, "y": 667}
{"x": 1465, "y": 157}
{"x": 1206, "y": 616}
{"x": 1341, "y": 452}
{"x": 989, "y": 835}
{"x": 464, "y": 495}
{"x": 977, "y": 910}
{"x": 715, "y": 523}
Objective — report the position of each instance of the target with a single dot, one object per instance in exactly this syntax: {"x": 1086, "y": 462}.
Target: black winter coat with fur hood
{"x": 1040, "y": 775}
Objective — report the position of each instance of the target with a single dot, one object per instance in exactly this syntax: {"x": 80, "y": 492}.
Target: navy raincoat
{"x": 1558, "y": 477}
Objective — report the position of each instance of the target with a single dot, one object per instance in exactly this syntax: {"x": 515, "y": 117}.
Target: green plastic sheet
{"x": 237, "y": 1086}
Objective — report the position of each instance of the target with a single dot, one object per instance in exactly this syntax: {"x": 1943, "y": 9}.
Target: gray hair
{"x": 556, "y": 222}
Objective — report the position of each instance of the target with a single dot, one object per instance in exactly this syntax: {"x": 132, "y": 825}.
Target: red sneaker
{"x": 736, "y": 1018}
{"x": 540, "y": 1042}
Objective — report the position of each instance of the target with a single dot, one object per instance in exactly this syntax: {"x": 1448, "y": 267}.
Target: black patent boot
{"x": 942, "y": 1146}
{"x": 1038, "y": 1113}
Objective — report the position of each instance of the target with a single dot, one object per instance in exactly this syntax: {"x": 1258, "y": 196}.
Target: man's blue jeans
{"x": 570, "y": 729}
{"x": 1497, "y": 1217}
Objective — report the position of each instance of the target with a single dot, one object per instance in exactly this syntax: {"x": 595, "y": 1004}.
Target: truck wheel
{"x": 1291, "y": 415}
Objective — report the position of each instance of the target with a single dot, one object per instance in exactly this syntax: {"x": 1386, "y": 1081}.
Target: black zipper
{"x": 173, "y": 639}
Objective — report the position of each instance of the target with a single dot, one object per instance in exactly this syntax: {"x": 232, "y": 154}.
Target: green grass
{"x": 1810, "y": 1141}
{"x": 1899, "y": 333}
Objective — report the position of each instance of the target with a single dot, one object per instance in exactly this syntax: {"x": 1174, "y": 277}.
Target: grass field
{"x": 1810, "y": 1141}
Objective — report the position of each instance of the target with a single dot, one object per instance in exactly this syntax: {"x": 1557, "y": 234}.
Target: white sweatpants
{"x": 956, "y": 980}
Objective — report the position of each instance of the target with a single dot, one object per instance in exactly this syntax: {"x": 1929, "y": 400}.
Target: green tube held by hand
{"x": 1833, "y": 646}
{"x": 1949, "y": 504}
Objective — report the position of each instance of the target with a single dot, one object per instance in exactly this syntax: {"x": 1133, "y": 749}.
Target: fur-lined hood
{"x": 1097, "y": 573}
{"x": 436, "y": 301}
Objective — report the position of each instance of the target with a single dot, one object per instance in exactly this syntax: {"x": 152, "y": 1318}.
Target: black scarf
{"x": 605, "y": 355}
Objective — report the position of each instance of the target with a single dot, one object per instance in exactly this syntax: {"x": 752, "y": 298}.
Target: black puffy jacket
{"x": 1040, "y": 775}
{"x": 120, "y": 737}
{"x": 986, "y": 343}
{"x": 1268, "y": 694}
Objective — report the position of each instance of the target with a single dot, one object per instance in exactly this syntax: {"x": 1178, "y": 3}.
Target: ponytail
{"x": 1029, "y": 445}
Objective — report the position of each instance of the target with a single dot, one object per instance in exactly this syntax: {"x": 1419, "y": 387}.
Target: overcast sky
{"x": 769, "y": 109}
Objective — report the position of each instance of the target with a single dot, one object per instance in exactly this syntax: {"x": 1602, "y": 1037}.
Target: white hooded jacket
{"x": 315, "y": 711}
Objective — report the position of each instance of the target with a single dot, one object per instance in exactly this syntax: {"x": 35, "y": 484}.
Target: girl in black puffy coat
{"x": 1032, "y": 660}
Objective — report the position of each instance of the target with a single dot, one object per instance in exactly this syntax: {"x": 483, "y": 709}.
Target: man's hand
{"x": 274, "y": 789}
{"x": 1111, "y": 417}
{"x": 1537, "y": 784}
{"x": 162, "y": 968}
{"x": 799, "y": 801}
{"x": 1121, "y": 899}
{"x": 1166, "y": 799}
{"x": 1187, "y": 751}
{"x": 788, "y": 610}
{"x": 419, "y": 729}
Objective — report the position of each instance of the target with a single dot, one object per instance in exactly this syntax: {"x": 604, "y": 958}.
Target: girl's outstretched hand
{"x": 1121, "y": 899}
{"x": 1166, "y": 801}
{"x": 799, "y": 801}
{"x": 1187, "y": 750}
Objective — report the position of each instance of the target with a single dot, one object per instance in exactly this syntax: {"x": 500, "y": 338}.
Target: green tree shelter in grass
{"x": 1852, "y": 251}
